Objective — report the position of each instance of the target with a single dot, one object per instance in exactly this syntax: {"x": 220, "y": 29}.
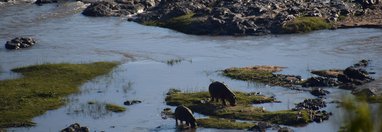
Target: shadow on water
{"x": 144, "y": 73}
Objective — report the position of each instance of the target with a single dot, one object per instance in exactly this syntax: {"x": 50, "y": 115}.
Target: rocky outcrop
{"x": 221, "y": 17}
{"x": 75, "y": 128}
{"x": 19, "y": 42}
{"x": 236, "y": 17}
{"x": 313, "y": 107}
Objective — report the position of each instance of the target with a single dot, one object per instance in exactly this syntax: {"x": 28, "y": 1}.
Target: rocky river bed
{"x": 154, "y": 60}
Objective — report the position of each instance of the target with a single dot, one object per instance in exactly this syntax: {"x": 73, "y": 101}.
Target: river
{"x": 66, "y": 36}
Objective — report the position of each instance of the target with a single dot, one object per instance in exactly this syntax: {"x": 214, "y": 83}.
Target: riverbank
{"x": 42, "y": 88}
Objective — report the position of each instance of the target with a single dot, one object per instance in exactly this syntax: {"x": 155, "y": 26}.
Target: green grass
{"x": 360, "y": 116}
{"x": 198, "y": 102}
{"x": 248, "y": 74}
{"x": 179, "y": 23}
{"x": 305, "y": 24}
{"x": 42, "y": 88}
{"x": 261, "y": 74}
{"x": 115, "y": 108}
{"x": 223, "y": 123}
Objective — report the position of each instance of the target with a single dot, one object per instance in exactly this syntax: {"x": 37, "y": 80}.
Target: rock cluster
{"x": 75, "y": 128}
{"x": 19, "y": 42}
{"x": 313, "y": 107}
{"x": 310, "y": 104}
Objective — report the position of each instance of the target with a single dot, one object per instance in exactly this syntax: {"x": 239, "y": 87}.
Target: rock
{"x": 40, "y": 2}
{"x": 332, "y": 73}
{"x": 356, "y": 73}
{"x": 311, "y": 104}
{"x": 367, "y": 92}
{"x": 319, "y": 92}
{"x": 167, "y": 113}
{"x": 131, "y": 102}
{"x": 75, "y": 128}
{"x": 19, "y": 42}
{"x": 319, "y": 116}
{"x": 102, "y": 8}
{"x": 319, "y": 82}
{"x": 362, "y": 63}
{"x": 260, "y": 126}
{"x": 285, "y": 129}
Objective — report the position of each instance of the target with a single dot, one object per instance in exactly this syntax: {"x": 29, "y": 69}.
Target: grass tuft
{"x": 305, "y": 24}
{"x": 115, "y": 108}
{"x": 42, "y": 88}
{"x": 179, "y": 23}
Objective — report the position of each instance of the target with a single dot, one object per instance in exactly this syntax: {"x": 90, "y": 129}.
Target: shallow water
{"x": 144, "y": 74}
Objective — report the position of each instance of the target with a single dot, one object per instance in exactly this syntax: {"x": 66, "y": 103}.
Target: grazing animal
{"x": 182, "y": 113}
{"x": 218, "y": 91}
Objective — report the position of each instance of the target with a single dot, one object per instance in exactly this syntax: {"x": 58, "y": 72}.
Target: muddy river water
{"x": 65, "y": 35}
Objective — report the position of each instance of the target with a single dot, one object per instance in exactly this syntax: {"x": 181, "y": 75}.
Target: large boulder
{"x": 19, "y": 42}
{"x": 102, "y": 8}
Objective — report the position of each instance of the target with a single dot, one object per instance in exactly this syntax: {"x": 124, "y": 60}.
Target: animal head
{"x": 232, "y": 100}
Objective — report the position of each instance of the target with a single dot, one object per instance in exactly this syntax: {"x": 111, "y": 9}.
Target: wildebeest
{"x": 182, "y": 113}
{"x": 218, "y": 91}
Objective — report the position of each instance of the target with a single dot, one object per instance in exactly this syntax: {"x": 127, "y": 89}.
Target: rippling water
{"x": 64, "y": 35}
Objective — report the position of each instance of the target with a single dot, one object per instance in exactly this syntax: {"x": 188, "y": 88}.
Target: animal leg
{"x": 223, "y": 102}
{"x": 176, "y": 121}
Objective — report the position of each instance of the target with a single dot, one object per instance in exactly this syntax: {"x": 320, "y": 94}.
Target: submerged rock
{"x": 20, "y": 42}
{"x": 75, "y": 128}
{"x": 319, "y": 92}
{"x": 285, "y": 129}
{"x": 40, "y": 2}
{"x": 260, "y": 126}
{"x": 131, "y": 102}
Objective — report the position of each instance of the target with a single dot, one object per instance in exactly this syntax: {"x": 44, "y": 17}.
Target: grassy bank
{"x": 179, "y": 23}
{"x": 262, "y": 74}
{"x": 43, "y": 88}
{"x": 305, "y": 24}
{"x": 198, "y": 102}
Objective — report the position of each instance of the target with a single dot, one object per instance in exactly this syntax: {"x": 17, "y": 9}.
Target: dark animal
{"x": 182, "y": 113}
{"x": 220, "y": 91}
